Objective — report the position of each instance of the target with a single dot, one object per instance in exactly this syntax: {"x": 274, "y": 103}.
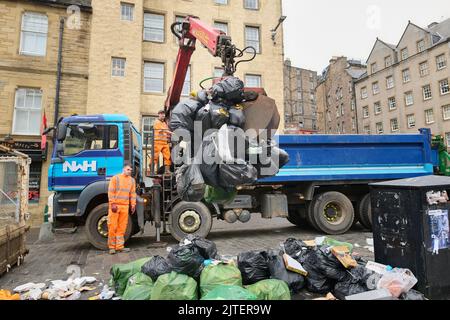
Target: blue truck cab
{"x": 89, "y": 151}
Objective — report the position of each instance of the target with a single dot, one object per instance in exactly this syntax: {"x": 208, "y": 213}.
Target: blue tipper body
{"x": 355, "y": 157}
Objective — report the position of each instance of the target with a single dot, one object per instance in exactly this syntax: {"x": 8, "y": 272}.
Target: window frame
{"x": 444, "y": 61}
{"x": 387, "y": 82}
{"x": 253, "y": 75}
{"x": 377, "y": 85}
{"x": 163, "y": 79}
{"x": 406, "y": 94}
{"x": 377, "y": 110}
{"x": 258, "y": 6}
{"x": 406, "y": 72}
{"x": 364, "y": 93}
{"x": 28, "y": 109}
{"x": 425, "y": 98}
{"x": 390, "y": 99}
{"x": 426, "y": 114}
{"x": 404, "y": 56}
{"x": 444, "y": 112}
{"x": 397, "y": 124}
{"x": 124, "y": 67}
{"x": 440, "y": 87}
{"x": 408, "y": 123}
{"x": 146, "y": 13}
{"x": 377, "y": 128}
{"x": 22, "y": 31}
{"x": 124, "y": 5}
{"x": 418, "y": 47}
{"x": 422, "y": 74}
{"x": 249, "y": 26}
{"x": 365, "y": 111}
{"x": 386, "y": 60}
{"x": 219, "y": 22}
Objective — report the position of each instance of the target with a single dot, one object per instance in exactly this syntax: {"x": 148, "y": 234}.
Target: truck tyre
{"x": 310, "y": 214}
{"x": 365, "y": 212}
{"x": 190, "y": 218}
{"x": 332, "y": 212}
{"x": 97, "y": 227}
{"x": 297, "y": 215}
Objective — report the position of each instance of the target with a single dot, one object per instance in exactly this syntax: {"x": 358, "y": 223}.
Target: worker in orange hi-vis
{"x": 121, "y": 195}
{"x": 162, "y": 139}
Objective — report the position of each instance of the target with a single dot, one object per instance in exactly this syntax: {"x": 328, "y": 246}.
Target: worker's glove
{"x": 133, "y": 209}
{"x": 114, "y": 208}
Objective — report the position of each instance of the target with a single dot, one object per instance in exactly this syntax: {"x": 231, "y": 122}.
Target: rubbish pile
{"x": 69, "y": 289}
{"x": 194, "y": 270}
{"x": 227, "y": 156}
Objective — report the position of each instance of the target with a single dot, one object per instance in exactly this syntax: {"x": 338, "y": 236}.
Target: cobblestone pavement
{"x": 50, "y": 261}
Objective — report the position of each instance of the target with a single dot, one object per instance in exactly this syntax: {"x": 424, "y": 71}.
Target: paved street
{"x": 50, "y": 261}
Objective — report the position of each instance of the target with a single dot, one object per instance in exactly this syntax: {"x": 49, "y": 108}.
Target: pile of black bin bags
{"x": 216, "y": 118}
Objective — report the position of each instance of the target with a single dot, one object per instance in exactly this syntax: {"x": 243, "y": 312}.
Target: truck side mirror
{"x": 62, "y": 131}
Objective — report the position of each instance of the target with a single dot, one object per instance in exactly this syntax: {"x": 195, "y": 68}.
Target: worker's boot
{"x": 124, "y": 250}
{"x": 112, "y": 251}
{"x": 167, "y": 170}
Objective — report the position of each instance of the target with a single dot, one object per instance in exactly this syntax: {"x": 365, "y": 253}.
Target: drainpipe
{"x": 58, "y": 71}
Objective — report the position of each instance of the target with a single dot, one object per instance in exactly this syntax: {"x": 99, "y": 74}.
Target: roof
{"x": 98, "y": 118}
{"x": 84, "y": 4}
{"x": 355, "y": 73}
{"x": 390, "y": 46}
{"x": 441, "y": 30}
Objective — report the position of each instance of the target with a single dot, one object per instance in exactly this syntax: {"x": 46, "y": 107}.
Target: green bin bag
{"x": 218, "y": 195}
{"x": 229, "y": 293}
{"x": 334, "y": 243}
{"x": 271, "y": 289}
{"x": 174, "y": 286}
{"x": 139, "y": 287}
{"x": 121, "y": 273}
{"x": 219, "y": 275}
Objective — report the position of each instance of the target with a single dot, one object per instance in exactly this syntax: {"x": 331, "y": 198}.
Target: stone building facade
{"x": 407, "y": 85}
{"x": 336, "y": 105}
{"x": 299, "y": 100}
{"x": 29, "y": 42}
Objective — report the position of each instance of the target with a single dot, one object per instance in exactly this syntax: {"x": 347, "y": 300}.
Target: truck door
{"x": 82, "y": 159}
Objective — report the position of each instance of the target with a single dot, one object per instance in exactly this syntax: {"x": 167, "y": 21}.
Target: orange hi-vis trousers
{"x": 164, "y": 148}
{"x": 117, "y": 225}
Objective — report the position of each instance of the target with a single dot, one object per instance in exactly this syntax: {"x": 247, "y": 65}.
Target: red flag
{"x": 43, "y": 127}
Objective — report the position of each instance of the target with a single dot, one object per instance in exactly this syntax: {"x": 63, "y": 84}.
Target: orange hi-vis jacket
{"x": 162, "y": 134}
{"x": 122, "y": 190}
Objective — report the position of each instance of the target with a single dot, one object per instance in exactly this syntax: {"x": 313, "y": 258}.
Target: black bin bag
{"x": 219, "y": 114}
{"x": 237, "y": 173}
{"x": 156, "y": 267}
{"x": 206, "y": 248}
{"x": 354, "y": 283}
{"x": 230, "y": 89}
{"x": 277, "y": 268}
{"x": 183, "y": 115}
{"x": 209, "y": 165}
{"x": 237, "y": 117}
{"x": 253, "y": 266}
{"x": 190, "y": 184}
{"x": 186, "y": 259}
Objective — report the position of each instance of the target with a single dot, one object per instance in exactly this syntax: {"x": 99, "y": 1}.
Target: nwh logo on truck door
{"x": 75, "y": 167}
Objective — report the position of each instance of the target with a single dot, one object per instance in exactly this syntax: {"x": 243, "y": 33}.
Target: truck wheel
{"x": 333, "y": 213}
{"x": 297, "y": 215}
{"x": 310, "y": 214}
{"x": 97, "y": 227}
{"x": 190, "y": 218}
{"x": 365, "y": 212}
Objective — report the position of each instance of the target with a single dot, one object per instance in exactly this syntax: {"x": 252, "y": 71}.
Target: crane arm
{"x": 217, "y": 43}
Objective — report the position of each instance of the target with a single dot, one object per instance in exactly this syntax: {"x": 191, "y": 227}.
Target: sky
{"x": 316, "y": 30}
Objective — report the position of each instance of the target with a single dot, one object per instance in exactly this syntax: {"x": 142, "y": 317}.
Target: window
{"x": 252, "y": 38}
{"x": 252, "y": 81}
{"x": 377, "y": 107}
{"x": 394, "y": 125}
{"x": 34, "y": 185}
{"x": 409, "y": 98}
{"x": 92, "y": 139}
{"x": 343, "y": 127}
{"x": 427, "y": 95}
{"x": 392, "y": 103}
{"x": 364, "y": 93}
{"x": 404, "y": 53}
{"x": 147, "y": 129}
{"x": 312, "y": 98}
{"x": 127, "y": 10}
{"x": 27, "y": 111}
{"x": 154, "y": 27}
{"x": 338, "y": 112}
{"x": 178, "y": 26}
{"x": 444, "y": 86}
{"x": 353, "y": 123}
{"x": 374, "y": 67}
{"x": 406, "y": 76}
{"x": 429, "y": 116}
{"x": 388, "y": 61}
{"x": 118, "y": 67}
{"x": 365, "y": 112}
{"x": 353, "y": 106}
{"x": 314, "y": 124}
{"x": 33, "y": 36}
{"x": 447, "y": 138}
{"x": 113, "y": 138}
{"x": 342, "y": 109}
{"x": 367, "y": 129}
{"x": 424, "y": 69}
{"x": 222, "y": 26}
{"x": 379, "y": 128}
{"x": 446, "y": 112}
{"x": 390, "y": 82}
{"x": 251, "y": 4}
{"x": 441, "y": 62}
{"x": 411, "y": 121}
{"x": 420, "y": 46}
{"x": 154, "y": 77}
{"x": 187, "y": 83}
{"x": 299, "y": 108}
{"x": 223, "y": 2}
{"x": 299, "y": 95}
{"x": 375, "y": 88}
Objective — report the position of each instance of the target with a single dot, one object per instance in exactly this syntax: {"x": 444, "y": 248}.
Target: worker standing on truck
{"x": 121, "y": 195}
{"x": 162, "y": 139}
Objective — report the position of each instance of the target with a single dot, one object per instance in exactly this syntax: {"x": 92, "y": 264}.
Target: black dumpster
{"x": 411, "y": 230}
